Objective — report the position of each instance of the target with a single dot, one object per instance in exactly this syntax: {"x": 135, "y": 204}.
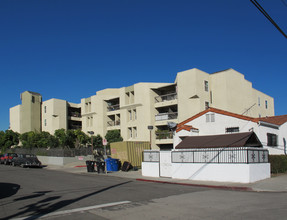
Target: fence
{"x": 213, "y": 155}
{"x": 55, "y": 152}
{"x": 151, "y": 156}
{"x": 221, "y": 155}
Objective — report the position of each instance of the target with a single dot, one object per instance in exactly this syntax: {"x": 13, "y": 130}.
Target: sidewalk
{"x": 276, "y": 183}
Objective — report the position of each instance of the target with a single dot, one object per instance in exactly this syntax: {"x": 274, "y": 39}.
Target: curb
{"x": 234, "y": 188}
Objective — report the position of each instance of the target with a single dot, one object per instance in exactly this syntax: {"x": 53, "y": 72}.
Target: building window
{"x": 45, "y": 122}
{"x": 130, "y": 132}
{"x": 210, "y": 117}
{"x": 271, "y": 139}
{"x": 135, "y": 114}
{"x": 206, "y": 86}
{"x": 135, "y": 132}
{"x": 232, "y": 130}
{"x": 266, "y": 104}
{"x": 91, "y": 121}
{"x": 45, "y": 109}
{"x": 206, "y": 105}
{"x": 33, "y": 99}
{"x": 258, "y": 101}
{"x": 130, "y": 115}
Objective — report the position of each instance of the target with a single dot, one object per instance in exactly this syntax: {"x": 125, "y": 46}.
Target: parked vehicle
{"x": 26, "y": 160}
{"x": 7, "y": 158}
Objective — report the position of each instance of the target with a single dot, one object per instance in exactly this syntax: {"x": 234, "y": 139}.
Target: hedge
{"x": 278, "y": 163}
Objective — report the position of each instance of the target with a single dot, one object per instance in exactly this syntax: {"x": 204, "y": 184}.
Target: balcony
{"x": 113, "y": 107}
{"x": 160, "y": 135}
{"x": 113, "y": 123}
{"x": 166, "y": 116}
{"x": 167, "y": 97}
{"x": 74, "y": 114}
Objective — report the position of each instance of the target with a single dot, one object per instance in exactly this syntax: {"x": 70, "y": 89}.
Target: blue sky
{"x": 69, "y": 49}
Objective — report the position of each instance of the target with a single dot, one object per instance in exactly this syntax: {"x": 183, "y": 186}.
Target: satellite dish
{"x": 171, "y": 125}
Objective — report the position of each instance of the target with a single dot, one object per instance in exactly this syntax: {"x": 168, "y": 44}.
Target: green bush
{"x": 278, "y": 163}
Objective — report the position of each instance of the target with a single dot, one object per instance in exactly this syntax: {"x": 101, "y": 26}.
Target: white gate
{"x": 165, "y": 169}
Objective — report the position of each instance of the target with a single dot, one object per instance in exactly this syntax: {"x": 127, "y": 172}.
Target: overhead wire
{"x": 261, "y": 9}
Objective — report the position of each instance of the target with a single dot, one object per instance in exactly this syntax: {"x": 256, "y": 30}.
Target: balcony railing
{"x": 74, "y": 114}
{"x": 113, "y": 107}
{"x": 167, "y": 97}
{"x": 166, "y": 116}
{"x": 159, "y": 135}
{"x": 114, "y": 123}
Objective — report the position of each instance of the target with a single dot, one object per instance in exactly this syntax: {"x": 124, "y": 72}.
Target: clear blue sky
{"x": 69, "y": 49}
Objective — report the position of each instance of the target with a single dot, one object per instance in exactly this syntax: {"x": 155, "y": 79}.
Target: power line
{"x": 259, "y": 7}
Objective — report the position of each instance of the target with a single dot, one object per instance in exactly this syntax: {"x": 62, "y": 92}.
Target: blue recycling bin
{"x": 112, "y": 164}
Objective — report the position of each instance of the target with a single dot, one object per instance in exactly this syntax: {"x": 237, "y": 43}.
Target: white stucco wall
{"x": 150, "y": 169}
{"x": 241, "y": 173}
{"x": 224, "y": 121}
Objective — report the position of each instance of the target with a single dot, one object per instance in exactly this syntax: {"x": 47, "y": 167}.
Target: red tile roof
{"x": 219, "y": 111}
{"x": 277, "y": 120}
{"x": 185, "y": 127}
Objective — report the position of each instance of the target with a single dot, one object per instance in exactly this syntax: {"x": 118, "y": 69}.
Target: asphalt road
{"x": 49, "y": 194}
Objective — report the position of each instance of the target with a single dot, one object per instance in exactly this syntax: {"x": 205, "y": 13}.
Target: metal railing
{"x": 113, "y": 107}
{"x": 166, "y": 116}
{"x": 114, "y": 123}
{"x": 221, "y": 155}
{"x": 163, "y": 135}
{"x": 167, "y": 97}
{"x": 150, "y": 156}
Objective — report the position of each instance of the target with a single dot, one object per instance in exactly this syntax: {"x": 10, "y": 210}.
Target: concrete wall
{"x": 150, "y": 169}
{"x": 15, "y": 114}
{"x": 61, "y": 161}
{"x": 241, "y": 173}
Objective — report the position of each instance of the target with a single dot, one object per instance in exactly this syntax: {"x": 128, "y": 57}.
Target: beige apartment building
{"x": 134, "y": 108}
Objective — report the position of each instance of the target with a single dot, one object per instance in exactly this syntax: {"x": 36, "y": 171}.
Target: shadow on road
{"x": 43, "y": 207}
{"x": 8, "y": 189}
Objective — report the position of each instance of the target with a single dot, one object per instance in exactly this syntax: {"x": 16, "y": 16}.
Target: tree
{"x": 98, "y": 141}
{"x": 81, "y": 138}
{"x": 113, "y": 136}
{"x": 8, "y": 139}
{"x": 60, "y": 134}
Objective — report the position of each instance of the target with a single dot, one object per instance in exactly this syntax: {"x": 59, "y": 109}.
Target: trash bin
{"x": 90, "y": 166}
{"x": 112, "y": 164}
{"x": 100, "y": 167}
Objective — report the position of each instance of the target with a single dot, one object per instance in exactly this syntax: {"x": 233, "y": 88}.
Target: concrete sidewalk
{"x": 277, "y": 183}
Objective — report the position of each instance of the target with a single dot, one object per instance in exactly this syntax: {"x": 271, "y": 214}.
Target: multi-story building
{"x": 27, "y": 116}
{"x": 57, "y": 114}
{"x": 134, "y": 108}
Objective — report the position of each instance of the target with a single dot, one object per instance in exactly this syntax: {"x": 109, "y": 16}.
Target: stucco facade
{"x": 215, "y": 121}
{"x": 133, "y": 108}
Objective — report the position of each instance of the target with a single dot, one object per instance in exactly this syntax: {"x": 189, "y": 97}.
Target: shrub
{"x": 278, "y": 163}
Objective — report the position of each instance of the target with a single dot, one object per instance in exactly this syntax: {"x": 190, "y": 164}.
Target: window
{"x": 206, "y": 86}
{"x": 130, "y": 132}
{"x": 266, "y": 104}
{"x": 271, "y": 139}
{"x": 258, "y": 101}
{"x": 232, "y": 130}
{"x": 206, "y": 105}
{"x": 33, "y": 99}
{"x": 45, "y": 109}
{"x": 91, "y": 121}
{"x": 45, "y": 122}
{"x": 130, "y": 115}
{"x": 210, "y": 117}
{"x": 135, "y": 114}
{"x": 135, "y": 132}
